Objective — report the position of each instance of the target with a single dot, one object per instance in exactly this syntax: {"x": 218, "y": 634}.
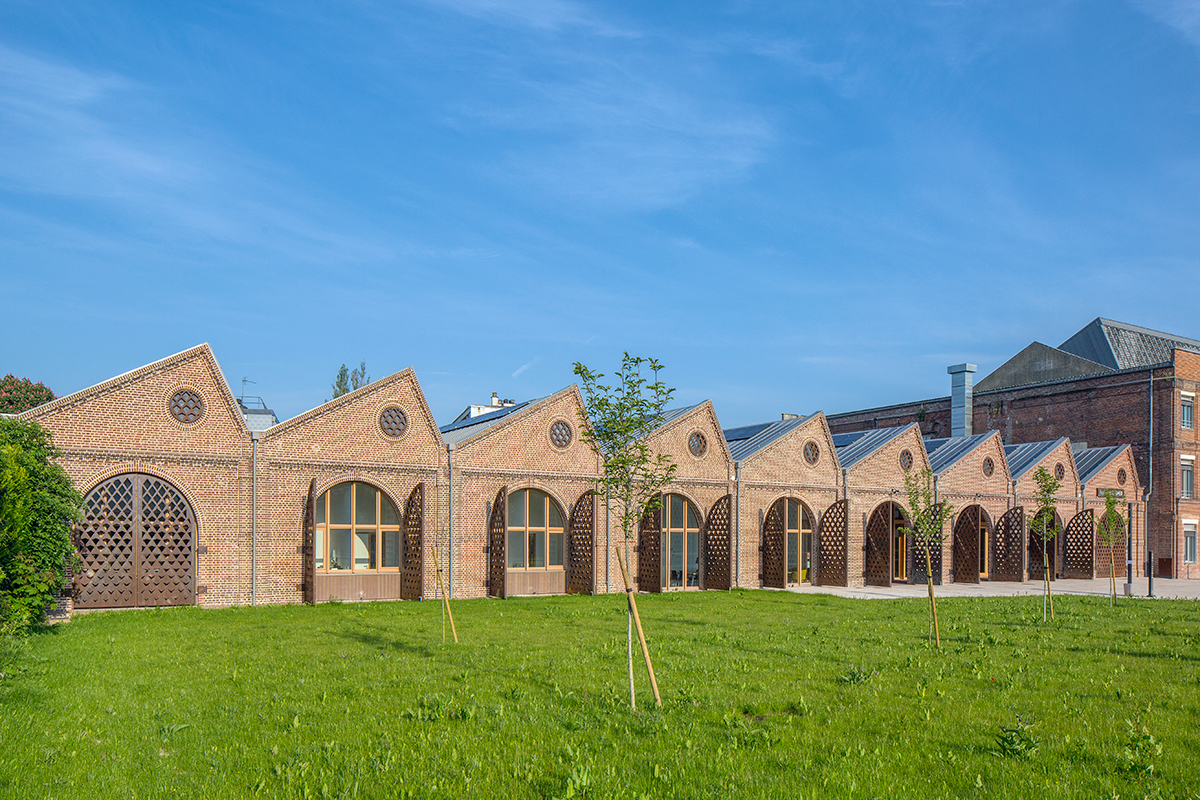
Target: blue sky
{"x": 795, "y": 206}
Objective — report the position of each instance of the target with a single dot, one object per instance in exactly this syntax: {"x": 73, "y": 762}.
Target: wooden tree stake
{"x": 638, "y": 622}
{"x": 445, "y": 598}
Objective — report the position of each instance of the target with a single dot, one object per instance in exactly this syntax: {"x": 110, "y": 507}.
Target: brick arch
{"x": 398, "y": 502}
{"x": 697, "y": 506}
{"x": 773, "y": 562}
{"x": 154, "y": 471}
{"x": 564, "y": 508}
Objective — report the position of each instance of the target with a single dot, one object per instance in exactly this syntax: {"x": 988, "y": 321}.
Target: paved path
{"x": 1163, "y": 587}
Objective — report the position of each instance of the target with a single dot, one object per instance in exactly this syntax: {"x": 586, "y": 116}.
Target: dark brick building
{"x": 1109, "y": 384}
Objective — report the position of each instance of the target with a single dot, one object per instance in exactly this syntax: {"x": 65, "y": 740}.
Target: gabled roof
{"x": 671, "y": 414}
{"x": 1118, "y": 345}
{"x": 1024, "y": 457}
{"x": 460, "y": 431}
{"x": 1039, "y": 363}
{"x": 945, "y": 453}
{"x": 749, "y": 439}
{"x": 1089, "y": 462}
{"x": 853, "y": 447}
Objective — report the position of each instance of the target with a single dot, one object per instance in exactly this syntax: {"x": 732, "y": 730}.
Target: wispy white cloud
{"x": 1183, "y": 15}
{"x": 525, "y": 367}
{"x": 544, "y": 15}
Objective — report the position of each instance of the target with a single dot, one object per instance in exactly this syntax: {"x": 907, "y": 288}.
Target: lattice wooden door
{"x": 878, "y": 543}
{"x": 965, "y": 545}
{"x": 137, "y": 545}
{"x": 1080, "y": 546}
{"x": 649, "y": 577}
{"x": 1104, "y": 565}
{"x": 716, "y": 548}
{"x": 1036, "y": 542}
{"x": 308, "y": 550}
{"x": 831, "y": 543}
{"x": 412, "y": 569}
{"x": 581, "y": 546}
{"x": 774, "y": 566}
{"x": 1008, "y": 553}
{"x": 498, "y": 546}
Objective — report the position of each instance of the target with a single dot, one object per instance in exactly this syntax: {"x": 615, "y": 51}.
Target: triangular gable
{"x": 967, "y": 473}
{"x": 673, "y": 438}
{"x": 1106, "y": 474}
{"x": 132, "y": 410}
{"x": 353, "y": 426}
{"x": 1060, "y": 453}
{"x": 783, "y": 460}
{"x": 881, "y": 466}
{"x": 1039, "y": 363}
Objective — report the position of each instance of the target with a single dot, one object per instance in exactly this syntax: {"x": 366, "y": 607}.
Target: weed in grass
{"x": 1141, "y": 748}
{"x": 1016, "y": 741}
{"x": 855, "y": 675}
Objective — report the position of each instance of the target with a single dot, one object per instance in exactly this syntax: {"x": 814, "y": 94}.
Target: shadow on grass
{"x": 381, "y": 642}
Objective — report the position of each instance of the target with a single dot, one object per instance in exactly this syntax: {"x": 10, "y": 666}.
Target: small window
{"x": 1187, "y": 487}
{"x": 1060, "y": 472}
{"x": 989, "y": 466}
{"x": 906, "y": 460}
{"x": 812, "y": 453}
{"x": 1121, "y": 477}
{"x": 697, "y": 444}
{"x": 1189, "y": 543}
{"x": 1186, "y": 410}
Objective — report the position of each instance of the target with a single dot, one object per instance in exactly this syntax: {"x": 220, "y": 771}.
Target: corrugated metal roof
{"x": 1024, "y": 457}
{"x": 855, "y": 446}
{"x": 1091, "y": 461}
{"x": 945, "y": 453}
{"x": 1118, "y": 345}
{"x": 457, "y": 432}
{"x": 671, "y": 414}
{"x": 749, "y": 439}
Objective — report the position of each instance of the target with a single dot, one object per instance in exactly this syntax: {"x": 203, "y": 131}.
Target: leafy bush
{"x": 1141, "y": 748}
{"x": 38, "y": 503}
{"x": 21, "y": 394}
{"x": 1016, "y": 741}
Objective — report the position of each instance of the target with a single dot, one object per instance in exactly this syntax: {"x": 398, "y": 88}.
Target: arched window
{"x": 535, "y": 531}
{"x": 356, "y": 527}
{"x": 680, "y": 542}
{"x": 799, "y": 526}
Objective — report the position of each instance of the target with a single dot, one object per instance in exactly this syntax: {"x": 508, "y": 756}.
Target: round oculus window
{"x": 1060, "y": 471}
{"x": 906, "y": 461}
{"x": 989, "y": 466}
{"x": 393, "y": 422}
{"x": 1121, "y": 477}
{"x": 811, "y": 452}
{"x": 697, "y": 444}
{"x": 187, "y": 406}
{"x": 561, "y": 434}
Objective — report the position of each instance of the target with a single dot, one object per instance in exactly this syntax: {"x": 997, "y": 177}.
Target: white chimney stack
{"x": 961, "y": 404}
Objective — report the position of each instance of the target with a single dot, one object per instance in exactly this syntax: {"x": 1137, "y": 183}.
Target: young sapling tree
{"x": 1112, "y": 530}
{"x": 1045, "y": 527}
{"x": 928, "y": 516}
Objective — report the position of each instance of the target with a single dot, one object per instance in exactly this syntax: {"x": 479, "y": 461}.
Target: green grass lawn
{"x": 766, "y": 694}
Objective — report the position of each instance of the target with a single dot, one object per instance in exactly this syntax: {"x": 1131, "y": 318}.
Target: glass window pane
{"x": 556, "y": 520}
{"x": 537, "y": 549}
{"x": 339, "y": 548}
{"x": 319, "y": 511}
{"x": 516, "y": 549}
{"x": 676, "y": 559}
{"x": 556, "y": 549}
{"x": 364, "y": 550}
{"x": 364, "y": 504}
{"x": 516, "y": 510}
{"x": 387, "y": 511}
{"x": 391, "y": 549}
{"x": 793, "y": 557}
{"x": 808, "y": 520}
{"x": 339, "y": 504}
{"x": 691, "y": 516}
{"x": 793, "y": 520}
{"x": 676, "y": 511}
{"x": 537, "y": 509}
{"x": 806, "y": 561}
{"x": 693, "y": 558}
{"x": 319, "y": 548}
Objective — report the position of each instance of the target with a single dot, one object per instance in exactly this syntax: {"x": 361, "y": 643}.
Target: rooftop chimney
{"x": 961, "y": 404}
{"x": 495, "y": 400}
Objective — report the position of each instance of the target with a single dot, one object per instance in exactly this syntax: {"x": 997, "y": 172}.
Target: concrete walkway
{"x": 1163, "y": 587}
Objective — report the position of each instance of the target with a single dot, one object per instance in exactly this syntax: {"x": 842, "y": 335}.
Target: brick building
{"x": 1110, "y": 384}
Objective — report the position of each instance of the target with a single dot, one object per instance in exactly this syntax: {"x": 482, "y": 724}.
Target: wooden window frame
{"x": 547, "y": 529}
{"x": 667, "y": 530}
{"x": 321, "y": 532}
{"x": 802, "y": 512}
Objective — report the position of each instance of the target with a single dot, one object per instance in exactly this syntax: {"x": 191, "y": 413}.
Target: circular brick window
{"x": 561, "y": 434}
{"x": 1060, "y": 471}
{"x": 989, "y": 466}
{"x": 697, "y": 444}
{"x": 393, "y": 422}
{"x": 1121, "y": 476}
{"x": 905, "y": 460}
{"x": 187, "y": 406}
{"x": 811, "y": 452}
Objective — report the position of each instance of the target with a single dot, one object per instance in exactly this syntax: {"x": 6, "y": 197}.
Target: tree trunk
{"x": 629, "y": 653}
{"x": 1112, "y": 574}
{"x": 1046, "y": 579}
{"x": 932, "y": 601}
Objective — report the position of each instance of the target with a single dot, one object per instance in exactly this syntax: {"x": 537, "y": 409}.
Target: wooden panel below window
{"x": 351, "y": 587}
{"x": 537, "y": 582}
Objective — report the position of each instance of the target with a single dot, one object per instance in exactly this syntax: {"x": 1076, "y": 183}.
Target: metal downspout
{"x": 253, "y": 517}
{"x": 1149, "y": 484}
{"x": 450, "y": 522}
{"x": 737, "y": 526}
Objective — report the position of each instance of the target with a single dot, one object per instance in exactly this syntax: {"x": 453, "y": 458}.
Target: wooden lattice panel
{"x": 649, "y": 577}
{"x": 1036, "y": 542}
{"x": 916, "y": 560}
{"x": 412, "y": 565}
{"x": 308, "y": 548}
{"x": 774, "y": 568}
{"x": 498, "y": 545}
{"x": 137, "y": 545}
{"x": 107, "y": 542}
{"x": 878, "y": 542}
{"x": 1080, "y": 546}
{"x": 1008, "y": 553}
{"x": 831, "y": 544}
{"x": 581, "y": 545}
{"x": 965, "y": 545}
{"x": 716, "y": 547}
{"x": 1105, "y": 562}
